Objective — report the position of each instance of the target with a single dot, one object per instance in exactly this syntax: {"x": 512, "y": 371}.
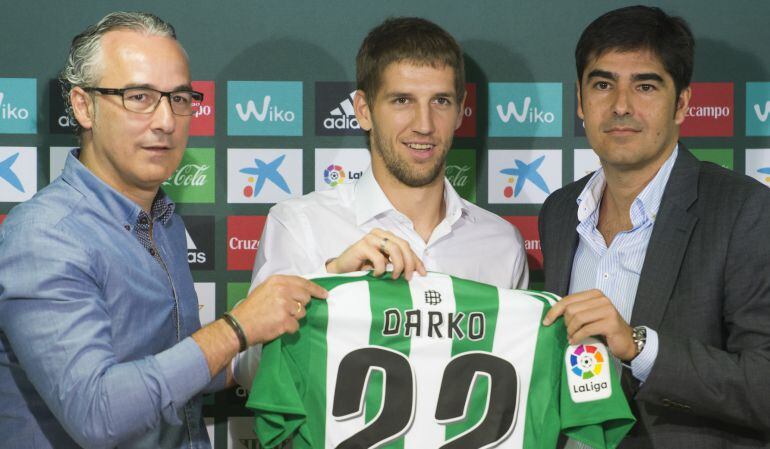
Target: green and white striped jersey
{"x": 438, "y": 362}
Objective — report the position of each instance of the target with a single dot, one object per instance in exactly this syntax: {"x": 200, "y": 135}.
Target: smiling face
{"x": 415, "y": 113}
{"x": 134, "y": 152}
{"x": 631, "y": 113}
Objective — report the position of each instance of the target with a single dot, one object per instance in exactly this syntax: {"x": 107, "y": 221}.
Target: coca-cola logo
{"x": 458, "y": 175}
{"x": 189, "y": 175}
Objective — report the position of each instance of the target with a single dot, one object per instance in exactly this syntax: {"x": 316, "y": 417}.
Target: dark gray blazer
{"x": 705, "y": 288}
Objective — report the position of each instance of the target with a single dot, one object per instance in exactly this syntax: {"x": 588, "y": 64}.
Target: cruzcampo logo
{"x": 461, "y": 172}
{"x": 235, "y": 292}
{"x": 720, "y": 156}
{"x": 194, "y": 180}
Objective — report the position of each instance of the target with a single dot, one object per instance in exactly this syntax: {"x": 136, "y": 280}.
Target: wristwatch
{"x": 639, "y": 334}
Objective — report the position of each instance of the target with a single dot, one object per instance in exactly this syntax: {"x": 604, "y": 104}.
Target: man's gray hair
{"x": 83, "y": 63}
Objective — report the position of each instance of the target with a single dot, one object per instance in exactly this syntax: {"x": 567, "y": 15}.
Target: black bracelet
{"x": 238, "y": 329}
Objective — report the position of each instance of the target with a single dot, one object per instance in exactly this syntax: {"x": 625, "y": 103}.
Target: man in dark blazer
{"x": 665, "y": 257}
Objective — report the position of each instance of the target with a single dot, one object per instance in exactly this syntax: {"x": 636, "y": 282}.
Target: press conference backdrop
{"x": 278, "y": 83}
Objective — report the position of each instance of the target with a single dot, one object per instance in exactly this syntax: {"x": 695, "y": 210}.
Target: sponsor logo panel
{"x": 264, "y": 108}
{"x": 758, "y": 109}
{"x": 58, "y": 157}
{"x": 468, "y": 126}
{"x": 194, "y": 180}
{"x": 334, "y": 111}
{"x": 243, "y": 234}
{"x": 523, "y": 176}
{"x": 719, "y": 156}
{"x": 240, "y": 433}
{"x": 200, "y": 241}
{"x": 528, "y": 228}
{"x": 58, "y": 120}
{"x": 710, "y": 112}
{"x": 337, "y": 166}
{"x": 2, "y": 218}
{"x": 263, "y": 175}
{"x": 525, "y": 109}
{"x": 18, "y": 105}
{"x": 204, "y": 117}
{"x": 18, "y": 174}
{"x": 585, "y": 162}
{"x": 758, "y": 164}
{"x": 461, "y": 172}
{"x": 207, "y": 303}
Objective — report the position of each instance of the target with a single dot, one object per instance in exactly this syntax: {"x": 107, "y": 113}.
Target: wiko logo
{"x": 18, "y": 106}
{"x": 264, "y": 108}
{"x": 525, "y": 109}
{"x": 757, "y": 109}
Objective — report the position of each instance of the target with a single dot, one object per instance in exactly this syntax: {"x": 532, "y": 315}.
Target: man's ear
{"x": 579, "y": 100}
{"x": 681, "y": 105}
{"x": 82, "y": 107}
{"x": 363, "y": 112}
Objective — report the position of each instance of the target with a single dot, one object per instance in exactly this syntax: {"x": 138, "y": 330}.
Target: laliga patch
{"x": 588, "y": 371}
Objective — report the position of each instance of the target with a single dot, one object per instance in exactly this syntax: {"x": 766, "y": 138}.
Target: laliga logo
{"x": 334, "y": 175}
{"x": 269, "y": 113}
{"x": 587, "y": 362}
{"x": 9, "y": 112}
{"x": 531, "y": 115}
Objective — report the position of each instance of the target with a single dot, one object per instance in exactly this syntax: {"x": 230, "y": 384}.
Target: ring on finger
{"x": 299, "y": 309}
{"x": 383, "y": 243}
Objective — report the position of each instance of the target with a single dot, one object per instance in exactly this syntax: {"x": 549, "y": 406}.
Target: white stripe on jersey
{"x": 348, "y": 329}
{"x": 429, "y": 357}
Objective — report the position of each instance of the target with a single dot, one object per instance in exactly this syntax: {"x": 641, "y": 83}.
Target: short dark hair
{"x": 412, "y": 39}
{"x": 641, "y": 28}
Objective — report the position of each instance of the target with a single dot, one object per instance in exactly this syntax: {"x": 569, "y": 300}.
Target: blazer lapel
{"x": 561, "y": 252}
{"x": 668, "y": 243}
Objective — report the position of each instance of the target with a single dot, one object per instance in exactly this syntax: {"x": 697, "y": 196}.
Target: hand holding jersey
{"x": 591, "y": 313}
{"x": 374, "y": 252}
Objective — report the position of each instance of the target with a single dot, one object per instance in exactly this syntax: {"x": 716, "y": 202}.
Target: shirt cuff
{"x": 642, "y": 364}
{"x": 245, "y": 365}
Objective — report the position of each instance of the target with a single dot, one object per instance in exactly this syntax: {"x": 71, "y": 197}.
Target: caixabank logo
{"x": 588, "y": 371}
{"x": 527, "y": 225}
{"x": 194, "y": 180}
{"x": 337, "y": 166}
{"x": 758, "y": 109}
{"x": 758, "y": 164}
{"x": 334, "y": 113}
{"x": 523, "y": 176}
{"x": 460, "y": 170}
{"x": 710, "y": 112}
{"x": 525, "y": 109}
{"x": 200, "y": 241}
{"x": 264, "y": 108}
{"x": 263, "y": 175}
{"x": 18, "y": 174}
{"x": 204, "y": 117}
{"x": 18, "y": 106}
{"x": 243, "y": 234}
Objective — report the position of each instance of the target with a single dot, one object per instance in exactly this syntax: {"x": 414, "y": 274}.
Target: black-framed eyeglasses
{"x": 145, "y": 100}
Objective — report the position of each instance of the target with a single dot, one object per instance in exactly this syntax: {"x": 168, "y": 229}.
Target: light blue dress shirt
{"x": 615, "y": 269}
{"x": 94, "y": 326}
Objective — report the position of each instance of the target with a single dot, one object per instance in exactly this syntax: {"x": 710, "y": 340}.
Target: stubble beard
{"x": 400, "y": 168}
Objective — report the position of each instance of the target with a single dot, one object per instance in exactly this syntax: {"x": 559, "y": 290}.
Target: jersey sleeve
{"x": 593, "y": 408}
{"x": 275, "y": 396}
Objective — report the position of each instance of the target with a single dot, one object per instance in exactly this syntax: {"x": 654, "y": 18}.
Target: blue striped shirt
{"x": 615, "y": 269}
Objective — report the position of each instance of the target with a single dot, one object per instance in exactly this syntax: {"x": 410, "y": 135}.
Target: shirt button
{"x": 143, "y": 220}
{"x": 152, "y": 252}
{"x": 127, "y": 227}
{"x": 606, "y": 275}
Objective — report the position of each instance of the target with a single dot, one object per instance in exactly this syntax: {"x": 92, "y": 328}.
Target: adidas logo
{"x": 343, "y": 116}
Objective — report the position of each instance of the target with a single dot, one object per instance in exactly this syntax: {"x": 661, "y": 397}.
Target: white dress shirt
{"x": 301, "y": 234}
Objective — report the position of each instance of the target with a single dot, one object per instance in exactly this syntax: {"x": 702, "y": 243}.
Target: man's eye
{"x": 181, "y": 99}
{"x": 401, "y": 100}
{"x": 646, "y": 87}
{"x": 602, "y": 85}
{"x": 443, "y": 101}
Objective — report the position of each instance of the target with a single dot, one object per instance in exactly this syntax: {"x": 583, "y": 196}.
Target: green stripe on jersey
{"x": 470, "y": 297}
